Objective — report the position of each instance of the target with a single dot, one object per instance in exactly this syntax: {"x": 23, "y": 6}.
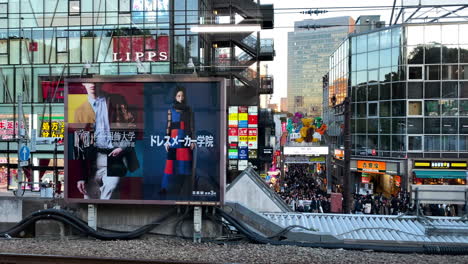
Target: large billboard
{"x": 155, "y": 140}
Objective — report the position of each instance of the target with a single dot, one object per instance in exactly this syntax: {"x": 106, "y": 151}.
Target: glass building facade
{"x": 409, "y": 91}
{"x": 44, "y": 42}
{"x": 308, "y": 55}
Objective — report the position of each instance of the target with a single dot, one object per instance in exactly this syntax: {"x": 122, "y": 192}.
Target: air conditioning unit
{"x": 379, "y": 24}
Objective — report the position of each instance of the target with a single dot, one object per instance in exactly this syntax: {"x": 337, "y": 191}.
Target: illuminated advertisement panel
{"x": 145, "y": 140}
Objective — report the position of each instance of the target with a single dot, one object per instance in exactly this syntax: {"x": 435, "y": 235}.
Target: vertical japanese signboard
{"x": 149, "y": 141}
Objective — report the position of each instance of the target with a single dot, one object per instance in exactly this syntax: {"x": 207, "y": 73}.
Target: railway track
{"x": 9, "y": 258}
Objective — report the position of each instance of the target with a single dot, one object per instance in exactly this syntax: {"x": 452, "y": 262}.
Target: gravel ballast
{"x": 171, "y": 248}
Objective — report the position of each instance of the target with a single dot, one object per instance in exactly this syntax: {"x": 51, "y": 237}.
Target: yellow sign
{"x": 378, "y": 167}
{"x": 243, "y": 116}
{"x": 233, "y": 116}
{"x": 53, "y": 129}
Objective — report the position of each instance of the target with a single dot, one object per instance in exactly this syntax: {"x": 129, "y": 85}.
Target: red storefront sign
{"x": 33, "y": 46}
{"x": 53, "y": 91}
{"x": 141, "y": 48}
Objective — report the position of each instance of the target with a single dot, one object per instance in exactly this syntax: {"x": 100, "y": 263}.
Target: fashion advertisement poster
{"x": 145, "y": 142}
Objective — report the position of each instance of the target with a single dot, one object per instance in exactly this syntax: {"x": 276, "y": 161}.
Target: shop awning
{"x": 441, "y": 174}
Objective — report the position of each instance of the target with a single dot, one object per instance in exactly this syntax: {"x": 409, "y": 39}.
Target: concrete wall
{"x": 11, "y": 210}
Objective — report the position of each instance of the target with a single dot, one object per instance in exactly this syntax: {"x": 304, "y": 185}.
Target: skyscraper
{"x": 308, "y": 58}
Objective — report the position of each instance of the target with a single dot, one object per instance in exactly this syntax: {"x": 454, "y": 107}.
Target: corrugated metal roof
{"x": 384, "y": 228}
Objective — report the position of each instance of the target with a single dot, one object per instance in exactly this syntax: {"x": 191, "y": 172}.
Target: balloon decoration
{"x": 311, "y": 130}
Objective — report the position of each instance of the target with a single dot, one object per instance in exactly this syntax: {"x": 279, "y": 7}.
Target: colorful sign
{"x": 233, "y": 153}
{"x": 365, "y": 178}
{"x": 378, "y": 167}
{"x": 243, "y": 153}
{"x": 339, "y": 154}
{"x": 440, "y": 164}
{"x": 253, "y": 116}
{"x": 253, "y": 154}
{"x": 233, "y": 135}
{"x": 243, "y": 137}
{"x": 252, "y": 139}
{"x": 233, "y": 116}
{"x": 155, "y": 145}
{"x": 53, "y": 129}
{"x": 306, "y": 151}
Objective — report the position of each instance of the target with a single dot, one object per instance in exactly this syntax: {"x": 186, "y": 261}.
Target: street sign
{"x": 24, "y": 153}
{"x": 24, "y": 163}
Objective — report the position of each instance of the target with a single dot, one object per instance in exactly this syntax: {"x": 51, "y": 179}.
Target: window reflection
{"x": 432, "y": 54}
{"x": 385, "y": 58}
{"x": 415, "y": 54}
{"x": 449, "y": 34}
{"x": 415, "y": 35}
{"x": 449, "y": 89}
{"x": 415, "y": 126}
{"x": 396, "y": 35}
{"x": 449, "y": 72}
{"x": 373, "y": 60}
{"x": 432, "y": 34}
{"x": 361, "y": 43}
{"x": 432, "y": 143}
{"x": 432, "y": 126}
{"x": 464, "y": 53}
{"x": 449, "y": 126}
{"x": 449, "y": 143}
{"x": 449, "y": 107}
{"x": 450, "y": 54}
{"x": 431, "y": 108}
{"x": 373, "y": 41}
{"x": 385, "y": 39}
{"x": 361, "y": 61}
{"x": 415, "y": 90}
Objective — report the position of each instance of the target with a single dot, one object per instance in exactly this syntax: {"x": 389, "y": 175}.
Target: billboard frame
{"x": 162, "y": 78}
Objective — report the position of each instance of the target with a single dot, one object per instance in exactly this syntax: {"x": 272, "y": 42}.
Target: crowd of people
{"x": 302, "y": 190}
{"x": 379, "y": 204}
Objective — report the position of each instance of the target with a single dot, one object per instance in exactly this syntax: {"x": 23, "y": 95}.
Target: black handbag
{"x": 116, "y": 166}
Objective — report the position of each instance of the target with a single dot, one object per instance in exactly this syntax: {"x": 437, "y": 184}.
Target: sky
{"x": 284, "y": 23}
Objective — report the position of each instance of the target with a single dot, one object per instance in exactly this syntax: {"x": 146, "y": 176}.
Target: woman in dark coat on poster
{"x": 178, "y": 167}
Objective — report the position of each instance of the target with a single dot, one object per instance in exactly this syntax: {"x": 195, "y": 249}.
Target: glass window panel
{"x": 395, "y": 56}
{"x": 463, "y": 72}
{"x": 373, "y": 109}
{"x": 398, "y": 126}
{"x": 373, "y": 41}
{"x": 402, "y": 73}
{"x": 385, "y": 39}
{"x": 415, "y": 90}
{"x": 362, "y": 43}
{"x": 385, "y": 125}
{"x": 431, "y": 108}
{"x": 414, "y": 143}
{"x": 361, "y": 93}
{"x": 415, "y": 73}
{"x": 361, "y": 61}
{"x": 463, "y": 53}
{"x": 396, "y": 35}
{"x": 74, "y": 7}
{"x": 415, "y": 108}
{"x": 373, "y": 76}
{"x": 361, "y": 126}
{"x": 373, "y": 93}
{"x": 449, "y": 107}
{"x": 449, "y": 143}
{"x": 385, "y": 58}
{"x": 385, "y": 91}
{"x": 463, "y": 143}
{"x": 415, "y": 35}
{"x": 354, "y": 63}
{"x": 415, "y": 55}
{"x": 464, "y": 107}
{"x": 432, "y": 54}
{"x": 373, "y": 60}
{"x": 449, "y": 125}
{"x": 432, "y": 34}
{"x": 361, "y": 143}
{"x": 415, "y": 126}
{"x": 398, "y": 143}
{"x": 449, "y": 72}
{"x": 431, "y": 143}
{"x": 463, "y": 129}
{"x": 449, "y": 34}
{"x": 372, "y": 142}
{"x": 384, "y": 109}
{"x": 432, "y": 90}
{"x": 464, "y": 89}
{"x": 432, "y": 126}
{"x": 385, "y": 74}
{"x": 372, "y": 125}
{"x": 361, "y": 109}
{"x": 3, "y": 46}
{"x": 398, "y": 108}
{"x": 361, "y": 77}
{"x": 384, "y": 143}
{"x": 450, "y": 54}
{"x": 463, "y": 28}
{"x": 353, "y": 45}
{"x": 433, "y": 72}
{"x": 398, "y": 90}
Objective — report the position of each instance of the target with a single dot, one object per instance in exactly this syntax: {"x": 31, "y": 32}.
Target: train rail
{"x": 11, "y": 258}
